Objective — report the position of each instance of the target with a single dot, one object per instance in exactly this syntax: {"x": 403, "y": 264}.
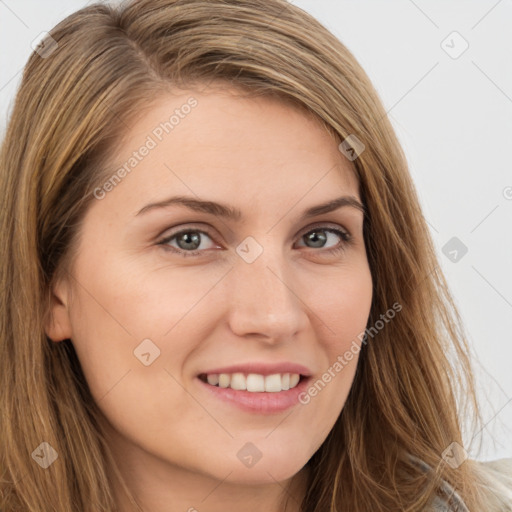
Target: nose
{"x": 263, "y": 300}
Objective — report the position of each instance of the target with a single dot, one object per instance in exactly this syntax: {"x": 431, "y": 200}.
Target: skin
{"x": 175, "y": 444}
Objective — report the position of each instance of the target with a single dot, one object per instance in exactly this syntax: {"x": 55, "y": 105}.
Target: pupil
{"x": 187, "y": 239}
{"x": 315, "y": 238}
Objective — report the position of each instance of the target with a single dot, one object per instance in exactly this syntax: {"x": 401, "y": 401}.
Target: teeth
{"x": 285, "y": 381}
{"x": 213, "y": 379}
{"x": 237, "y": 381}
{"x": 254, "y": 382}
{"x": 224, "y": 380}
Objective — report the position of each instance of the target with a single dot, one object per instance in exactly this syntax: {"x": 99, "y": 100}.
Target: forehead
{"x": 219, "y": 141}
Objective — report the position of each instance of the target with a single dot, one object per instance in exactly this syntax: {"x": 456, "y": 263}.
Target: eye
{"x": 319, "y": 236}
{"x": 189, "y": 242}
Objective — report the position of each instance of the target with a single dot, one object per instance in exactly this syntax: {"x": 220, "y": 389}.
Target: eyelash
{"x": 344, "y": 235}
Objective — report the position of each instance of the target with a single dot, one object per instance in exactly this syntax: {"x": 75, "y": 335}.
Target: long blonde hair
{"x": 102, "y": 70}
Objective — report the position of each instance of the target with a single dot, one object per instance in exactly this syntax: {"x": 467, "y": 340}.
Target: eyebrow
{"x": 228, "y": 212}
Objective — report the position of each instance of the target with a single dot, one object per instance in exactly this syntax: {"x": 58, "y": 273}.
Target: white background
{"x": 454, "y": 119}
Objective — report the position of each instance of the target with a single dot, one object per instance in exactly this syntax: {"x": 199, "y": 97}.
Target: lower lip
{"x": 261, "y": 403}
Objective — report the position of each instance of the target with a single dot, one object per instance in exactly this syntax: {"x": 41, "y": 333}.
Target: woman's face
{"x": 272, "y": 291}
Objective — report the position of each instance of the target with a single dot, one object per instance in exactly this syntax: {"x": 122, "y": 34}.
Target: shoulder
{"x": 495, "y": 485}
{"x": 501, "y": 467}
{"x": 495, "y": 479}
{"x": 451, "y": 500}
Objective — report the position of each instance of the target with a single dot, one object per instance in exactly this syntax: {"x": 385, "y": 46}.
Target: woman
{"x": 140, "y": 372}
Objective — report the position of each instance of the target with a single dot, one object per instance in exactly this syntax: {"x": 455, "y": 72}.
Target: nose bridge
{"x": 262, "y": 296}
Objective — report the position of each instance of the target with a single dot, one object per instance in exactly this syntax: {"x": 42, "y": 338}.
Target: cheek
{"x": 113, "y": 314}
{"x": 151, "y": 299}
{"x": 118, "y": 306}
{"x": 344, "y": 306}
{"x": 341, "y": 309}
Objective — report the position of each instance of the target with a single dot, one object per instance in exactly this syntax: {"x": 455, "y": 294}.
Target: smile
{"x": 260, "y": 394}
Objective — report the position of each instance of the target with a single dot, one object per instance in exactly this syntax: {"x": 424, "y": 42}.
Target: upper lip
{"x": 261, "y": 368}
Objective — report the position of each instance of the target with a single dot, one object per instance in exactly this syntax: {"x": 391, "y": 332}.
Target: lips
{"x": 256, "y": 402}
{"x": 269, "y": 398}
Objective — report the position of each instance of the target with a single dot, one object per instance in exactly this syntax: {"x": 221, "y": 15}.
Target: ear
{"x": 58, "y": 326}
